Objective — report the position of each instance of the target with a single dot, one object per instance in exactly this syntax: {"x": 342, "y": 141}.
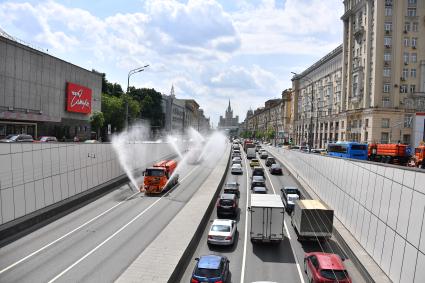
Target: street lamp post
{"x": 310, "y": 128}
{"x": 132, "y": 72}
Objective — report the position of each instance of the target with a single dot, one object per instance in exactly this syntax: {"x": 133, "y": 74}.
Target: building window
{"x": 388, "y": 26}
{"x": 387, "y": 88}
{"x": 414, "y": 41}
{"x": 412, "y": 88}
{"x": 388, "y": 11}
{"x": 411, "y": 12}
{"x": 408, "y": 121}
{"x": 387, "y": 56}
{"x": 413, "y": 57}
{"x": 387, "y": 72}
{"x": 405, "y": 73}
{"x": 384, "y": 137}
{"x": 366, "y": 136}
{"x": 366, "y": 123}
{"x": 403, "y": 88}
{"x": 385, "y": 101}
{"x": 406, "y": 26}
{"x": 412, "y": 1}
{"x": 406, "y": 58}
{"x": 406, "y": 41}
{"x": 406, "y": 139}
{"x": 355, "y": 82}
{"x": 387, "y": 41}
{"x": 342, "y": 124}
{"x": 414, "y": 26}
{"x": 413, "y": 73}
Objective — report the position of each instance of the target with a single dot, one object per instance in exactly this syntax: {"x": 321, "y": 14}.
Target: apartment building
{"x": 383, "y": 69}
{"x": 316, "y": 103}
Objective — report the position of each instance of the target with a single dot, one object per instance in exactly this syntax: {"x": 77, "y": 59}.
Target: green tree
{"x": 97, "y": 120}
{"x": 150, "y": 105}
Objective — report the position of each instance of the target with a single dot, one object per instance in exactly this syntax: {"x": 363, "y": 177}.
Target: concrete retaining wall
{"x": 382, "y": 206}
{"x": 34, "y": 176}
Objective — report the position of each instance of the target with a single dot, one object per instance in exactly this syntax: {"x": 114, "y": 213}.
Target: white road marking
{"x": 289, "y": 236}
{"x": 246, "y": 221}
{"x": 114, "y": 234}
{"x": 66, "y": 235}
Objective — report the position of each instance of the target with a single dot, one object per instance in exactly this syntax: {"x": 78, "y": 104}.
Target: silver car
{"x": 222, "y": 232}
{"x": 236, "y": 169}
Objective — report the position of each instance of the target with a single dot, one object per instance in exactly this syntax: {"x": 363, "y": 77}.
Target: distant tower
{"x": 172, "y": 91}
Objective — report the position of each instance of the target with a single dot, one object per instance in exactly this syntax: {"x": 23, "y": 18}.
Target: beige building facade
{"x": 383, "y": 69}
{"x": 317, "y": 96}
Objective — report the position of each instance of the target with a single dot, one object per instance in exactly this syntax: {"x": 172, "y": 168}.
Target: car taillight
{"x": 228, "y": 238}
{"x": 210, "y": 237}
{"x": 234, "y": 204}
{"x": 218, "y": 203}
{"x": 194, "y": 281}
{"x": 219, "y": 281}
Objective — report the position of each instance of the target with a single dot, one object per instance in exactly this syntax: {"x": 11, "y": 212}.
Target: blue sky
{"x": 211, "y": 50}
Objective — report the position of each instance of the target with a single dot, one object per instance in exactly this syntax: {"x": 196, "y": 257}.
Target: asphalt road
{"x": 99, "y": 241}
{"x": 253, "y": 262}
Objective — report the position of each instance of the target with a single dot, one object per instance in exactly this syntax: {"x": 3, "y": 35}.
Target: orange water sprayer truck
{"x": 157, "y": 178}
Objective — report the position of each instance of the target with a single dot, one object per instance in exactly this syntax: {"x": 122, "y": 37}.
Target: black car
{"x": 227, "y": 204}
{"x": 270, "y": 161}
{"x": 258, "y": 171}
{"x": 257, "y": 183}
{"x": 288, "y": 202}
{"x": 275, "y": 169}
{"x": 211, "y": 268}
{"x": 232, "y": 188}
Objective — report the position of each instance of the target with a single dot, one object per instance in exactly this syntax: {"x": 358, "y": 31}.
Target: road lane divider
{"x": 248, "y": 191}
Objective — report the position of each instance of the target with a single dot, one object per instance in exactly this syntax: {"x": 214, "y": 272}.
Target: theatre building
{"x": 42, "y": 95}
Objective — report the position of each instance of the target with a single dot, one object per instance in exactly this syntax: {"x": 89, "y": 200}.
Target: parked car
{"x": 91, "y": 141}
{"x": 227, "y": 204}
{"x": 325, "y": 267}
{"x": 222, "y": 232}
{"x": 275, "y": 169}
{"x": 17, "y": 138}
{"x": 236, "y": 169}
{"x": 264, "y": 155}
{"x": 254, "y": 162}
{"x": 270, "y": 161}
{"x": 211, "y": 268}
{"x": 231, "y": 188}
{"x": 48, "y": 139}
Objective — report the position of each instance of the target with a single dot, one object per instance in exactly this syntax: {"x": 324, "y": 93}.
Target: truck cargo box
{"x": 266, "y": 214}
{"x": 312, "y": 219}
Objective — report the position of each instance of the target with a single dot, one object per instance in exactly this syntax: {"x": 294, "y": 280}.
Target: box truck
{"x": 266, "y": 214}
{"x": 312, "y": 219}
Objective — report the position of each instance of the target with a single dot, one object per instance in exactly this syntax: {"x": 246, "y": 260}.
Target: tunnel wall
{"x": 381, "y": 205}
{"x": 34, "y": 176}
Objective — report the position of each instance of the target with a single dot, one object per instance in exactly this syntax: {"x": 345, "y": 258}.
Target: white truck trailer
{"x": 266, "y": 214}
{"x": 312, "y": 219}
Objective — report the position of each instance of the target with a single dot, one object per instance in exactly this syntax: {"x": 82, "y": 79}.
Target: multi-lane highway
{"x": 253, "y": 262}
{"x": 97, "y": 242}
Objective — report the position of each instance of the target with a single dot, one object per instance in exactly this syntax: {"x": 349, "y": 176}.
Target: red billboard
{"x": 78, "y": 98}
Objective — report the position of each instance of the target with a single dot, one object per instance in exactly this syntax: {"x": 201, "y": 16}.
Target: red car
{"x": 324, "y": 267}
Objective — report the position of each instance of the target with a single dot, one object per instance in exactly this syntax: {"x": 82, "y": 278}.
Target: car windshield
{"x": 275, "y": 166}
{"x": 208, "y": 273}
{"x": 230, "y": 185}
{"x": 291, "y": 191}
{"x": 226, "y": 202}
{"x": 236, "y": 166}
{"x": 220, "y": 228}
{"x": 334, "y": 274}
{"x": 154, "y": 172}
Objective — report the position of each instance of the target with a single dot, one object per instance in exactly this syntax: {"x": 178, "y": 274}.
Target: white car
{"x": 236, "y": 169}
{"x": 237, "y": 160}
{"x": 222, "y": 232}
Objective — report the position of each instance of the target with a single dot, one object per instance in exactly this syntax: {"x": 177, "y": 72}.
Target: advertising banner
{"x": 78, "y": 98}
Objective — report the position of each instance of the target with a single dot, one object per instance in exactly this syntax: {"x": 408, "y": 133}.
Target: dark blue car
{"x": 211, "y": 268}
